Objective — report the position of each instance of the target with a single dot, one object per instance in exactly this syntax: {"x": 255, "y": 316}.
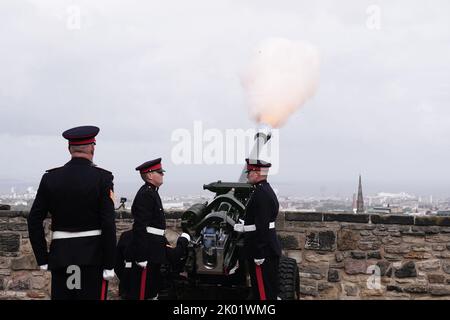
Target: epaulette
{"x": 53, "y": 169}
{"x": 101, "y": 169}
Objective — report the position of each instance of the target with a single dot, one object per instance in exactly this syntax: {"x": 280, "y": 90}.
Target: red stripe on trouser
{"x": 143, "y": 283}
{"x": 103, "y": 294}
{"x": 259, "y": 279}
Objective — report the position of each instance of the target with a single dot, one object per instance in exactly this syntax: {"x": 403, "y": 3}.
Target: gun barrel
{"x": 261, "y": 139}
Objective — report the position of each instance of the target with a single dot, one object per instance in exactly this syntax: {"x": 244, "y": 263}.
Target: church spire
{"x": 360, "y": 201}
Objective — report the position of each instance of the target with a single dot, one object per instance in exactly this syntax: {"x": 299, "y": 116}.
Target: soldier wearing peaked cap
{"x": 148, "y": 244}
{"x": 261, "y": 245}
{"x": 79, "y": 198}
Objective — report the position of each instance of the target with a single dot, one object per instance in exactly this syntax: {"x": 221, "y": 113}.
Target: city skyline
{"x": 27, "y": 189}
{"x": 147, "y": 70}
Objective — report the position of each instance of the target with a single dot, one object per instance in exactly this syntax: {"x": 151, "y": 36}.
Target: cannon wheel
{"x": 289, "y": 279}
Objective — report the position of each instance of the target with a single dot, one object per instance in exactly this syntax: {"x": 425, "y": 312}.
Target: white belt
{"x": 67, "y": 234}
{"x": 156, "y": 231}
{"x": 252, "y": 227}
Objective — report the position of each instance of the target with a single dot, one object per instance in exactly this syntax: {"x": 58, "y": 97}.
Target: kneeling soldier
{"x": 130, "y": 273}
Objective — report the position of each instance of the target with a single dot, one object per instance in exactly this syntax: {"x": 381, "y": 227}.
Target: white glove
{"x": 239, "y": 227}
{"x": 185, "y": 235}
{"x": 44, "y": 267}
{"x": 142, "y": 264}
{"x": 259, "y": 261}
{"x": 108, "y": 274}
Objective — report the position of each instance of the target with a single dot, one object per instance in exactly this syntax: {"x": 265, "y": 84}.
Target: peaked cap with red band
{"x": 81, "y": 135}
{"x": 257, "y": 165}
{"x": 149, "y": 166}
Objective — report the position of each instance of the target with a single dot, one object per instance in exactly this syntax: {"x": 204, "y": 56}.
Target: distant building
{"x": 383, "y": 210}
{"x": 354, "y": 203}
{"x": 305, "y": 210}
{"x": 396, "y": 210}
{"x": 360, "y": 200}
{"x": 443, "y": 213}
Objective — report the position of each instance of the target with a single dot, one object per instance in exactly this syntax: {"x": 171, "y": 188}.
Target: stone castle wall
{"x": 340, "y": 256}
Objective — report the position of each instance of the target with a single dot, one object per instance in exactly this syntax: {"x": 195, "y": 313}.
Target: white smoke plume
{"x": 281, "y": 77}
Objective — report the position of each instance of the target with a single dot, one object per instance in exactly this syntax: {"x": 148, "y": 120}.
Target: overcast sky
{"x": 141, "y": 69}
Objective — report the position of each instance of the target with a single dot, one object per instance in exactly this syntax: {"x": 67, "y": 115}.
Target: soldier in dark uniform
{"x": 125, "y": 268}
{"x": 261, "y": 246}
{"x": 129, "y": 273}
{"x": 79, "y": 197}
{"x": 148, "y": 241}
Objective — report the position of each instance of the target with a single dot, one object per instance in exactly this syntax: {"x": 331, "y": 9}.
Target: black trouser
{"x": 176, "y": 256}
{"x": 130, "y": 278}
{"x": 131, "y": 290}
{"x": 69, "y": 284}
{"x": 269, "y": 270}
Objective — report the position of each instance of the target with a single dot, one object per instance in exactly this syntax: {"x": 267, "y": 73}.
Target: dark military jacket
{"x": 262, "y": 209}
{"x": 147, "y": 211}
{"x": 79, "y": 197}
